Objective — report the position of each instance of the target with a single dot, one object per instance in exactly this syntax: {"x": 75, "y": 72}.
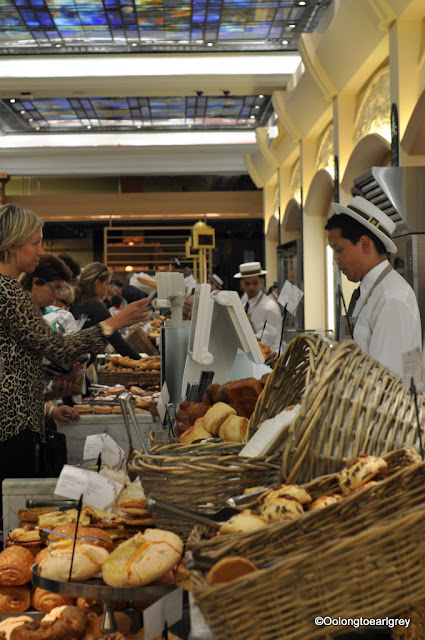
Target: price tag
{"x": 98, "y": 491}
{"x": 163, "y": 400}
{"x": 413, "y": 367}
{"x": 290, "y": 296}
{"x": 168, "y": 609}
{"x": 112, "y": 454}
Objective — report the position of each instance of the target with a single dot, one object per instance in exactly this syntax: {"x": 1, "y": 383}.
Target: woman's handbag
{"x": 51, "y": 454}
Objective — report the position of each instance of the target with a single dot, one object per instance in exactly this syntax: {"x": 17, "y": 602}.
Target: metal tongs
{"x": 125, "y": 400}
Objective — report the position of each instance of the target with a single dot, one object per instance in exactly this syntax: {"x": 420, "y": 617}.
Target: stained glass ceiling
{"x": 114, "y": 26}
{"x": 124, "y": 114}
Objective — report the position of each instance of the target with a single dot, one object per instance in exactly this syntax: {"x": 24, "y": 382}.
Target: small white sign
{"x": 413, "y": 367}
{"x": 162, "y": 402}
{"x": 112, "y": 454}
{"x": 98, "y": 491}
{"x": 168, "y": 609}
{"x": 290, "y": 296}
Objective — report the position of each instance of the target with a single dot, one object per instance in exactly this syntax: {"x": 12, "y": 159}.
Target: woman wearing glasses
{"x": 90, "y": 291}
{"x": 25, "y": 338}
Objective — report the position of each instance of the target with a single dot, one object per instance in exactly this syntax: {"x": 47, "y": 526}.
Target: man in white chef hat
{"x": 258, "y": 306}
{"x": 383, "y": 312}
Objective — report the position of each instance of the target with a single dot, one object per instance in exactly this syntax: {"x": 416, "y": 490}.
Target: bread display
{"x": 148, "y": 364}
{"x": 45, "y": 601}
{"x": 360, "y": 471}
{"x": 14, "y": 599}
{"x": 56, "y": 564}
{"x": 15, "y": 566}
{"x": 142, "y": 559}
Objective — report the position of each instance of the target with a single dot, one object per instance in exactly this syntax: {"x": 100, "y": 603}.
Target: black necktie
{"x": 246, "y": 307}
{"x": 354, "y": 298}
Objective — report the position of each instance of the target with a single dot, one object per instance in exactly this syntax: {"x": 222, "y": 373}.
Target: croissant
{"x": 14, "y": 599}
{"x": 43, "y": 600}
{"x": 15, "y": 566}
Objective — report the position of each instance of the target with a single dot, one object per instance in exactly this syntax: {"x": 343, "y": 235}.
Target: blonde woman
{"x": 25, "y": 338}
{"x": 90, "y": 291}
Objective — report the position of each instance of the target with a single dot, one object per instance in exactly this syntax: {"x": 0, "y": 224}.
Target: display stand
{"x": 97, "y": 590}
{"x": 219, "y": 327}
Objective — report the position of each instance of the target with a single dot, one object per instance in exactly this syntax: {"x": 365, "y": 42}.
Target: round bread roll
{"x": 7, "y": 625}
{"x": 142, "y": 559}
{"x": 360, "y": 471}
{"x": 56, "y": 564}
{"x": 324, "y": 501}
{"x": 43, "y": 600}
{"x": 103, "y": 539}
{"x": 215, "y": 416}
{"x": 291, "y": 490}
{"x": 233, "y": 429}
{"x": 83, "y": 408}
{"x": 197, "y": 432}
{"x": 244, "y": 521}
{"x": 279, "y": 509}
{"x": 228, "y": 569}
{"x": 98, "y": 408}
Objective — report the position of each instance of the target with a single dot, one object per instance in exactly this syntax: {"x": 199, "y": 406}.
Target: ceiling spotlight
{"x": 58, "y": 45}
{"x": 12, "y": 100}
{"x": 22, "y": 111}
{"x": 284, "y": 41}
{"x": 38, "y": 128}
{"x": 252, "y": 117}
{"x": 291, "y": 26}
{"x": 261, "y": 96}
{"x": 210, "y": 44}
{"x": 257, "y": 106}
{"x": 89, "y": 126}
{"x": 128, "y": 268}
{"x": 139, "y": 126}
{"x": 134, "y": 44}
{"x": 301, "y": 4}
{"x": 30, "y": 119}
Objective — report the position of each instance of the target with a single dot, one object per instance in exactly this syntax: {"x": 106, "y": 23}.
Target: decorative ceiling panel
{"x": 113, "y": 26}
{"x": 123, "y": 114}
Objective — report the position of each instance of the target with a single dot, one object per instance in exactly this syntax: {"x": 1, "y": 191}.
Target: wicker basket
{"x": 140, "y": 342}
{"x": 353, "y": 405}
{"x": 402, "y": 489}
{"x": 127, "y": 378}
{"x": 292, "y": 373}
{"x": 199, "y": 476}
{"x": 376, "y": 573}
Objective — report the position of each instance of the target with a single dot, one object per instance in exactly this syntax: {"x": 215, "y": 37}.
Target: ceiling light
{"x": 134, "y": 44}
{"x": 130, "y": 244}
{"x": 257, "y": 106}
{"x": 38, "y": 128}
{"x": 58, "y": 45}
{"x": 252, "y": 117}
{"x": 210, "y": 44}
{"x": 22, "y": 111}
{"x": 291, "y": 26}
{"x": 31, "y": 120}
{"x": 89, "y": 126}
{"x": 261, "y": 96}
{"x": 12, "y": 100}
{"x": 301, "y": 4}
{"x": 129, "y": 268}
{"x": 284, "y": 41}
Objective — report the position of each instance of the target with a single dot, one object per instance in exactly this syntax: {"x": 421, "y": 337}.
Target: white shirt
{"x": 262, "y": 308}
{"x": 388, "y": 323}
{"x": 61, "y": 320}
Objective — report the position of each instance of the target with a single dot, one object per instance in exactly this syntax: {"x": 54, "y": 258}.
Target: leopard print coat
{"x": 25, "y": 338}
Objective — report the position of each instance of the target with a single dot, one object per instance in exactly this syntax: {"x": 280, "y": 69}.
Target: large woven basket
{"x": 199, "y": 476}
{"x": 402, "y": 489}
{"x": 140, "y": 342}
{"x": 375, "y": 573}
{"x": 353, "y": 405}
{"x": 292, "y": 373}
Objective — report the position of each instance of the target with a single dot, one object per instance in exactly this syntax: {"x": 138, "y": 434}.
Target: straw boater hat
{"x": 249, "y": 269}
{"x": 216, "y": 280}
{"x": 370, "y": 217}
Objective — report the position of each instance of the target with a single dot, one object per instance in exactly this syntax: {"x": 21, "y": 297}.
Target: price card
{"x": 163, "y": 400}
{"x": 168, "y": 609}
{"x": 413, "y": 367}
{"x": 290, "y": 296}
{"x": 112, "y": 454}
{"x": 97, "y": 491}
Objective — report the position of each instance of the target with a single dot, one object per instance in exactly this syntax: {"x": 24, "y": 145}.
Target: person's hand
{"x": 131, "y": 314}
{"x": 65, "y": 413}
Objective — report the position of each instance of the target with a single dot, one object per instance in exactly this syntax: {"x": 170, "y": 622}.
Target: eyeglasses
{"x": 67, "y": 304}
{"x": 54, "y": 287}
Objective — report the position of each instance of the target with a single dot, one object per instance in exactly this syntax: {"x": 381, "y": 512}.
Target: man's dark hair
{"x": 49, "y": 268}
{"x": 72, "y": 265}
{"x": 353, "y": 231}
{"x": 117, "y": 283}
{"x": 116, "y": 301}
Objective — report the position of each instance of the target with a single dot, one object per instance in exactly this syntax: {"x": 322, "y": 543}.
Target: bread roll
{"x": 234, "y": 429}
{"x": 278, "y": 509}
{"x": 7, "y": 625}
{"x": 291, "y": 490}
{"x": 216, "y": 415}
{"x": 197, "y": 432}
{"x": 244, "y": 521}
{"x": 56, "y": 564}
{"x": 360, "y": 471}
{"x": 15, "y": 566}
{"x": 14, "y": 599}
{"x": 324, "y": 501}
{"x": 43, "y": 600}
{"x": 228, "y": 569}
{"x": 142, "y": 559}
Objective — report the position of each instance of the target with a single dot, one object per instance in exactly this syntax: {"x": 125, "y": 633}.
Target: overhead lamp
{"x": 284, "y": 41}
{"x": 12, "y": 100}
{"x": 22, "y": 111}
{"x": 128, "y": 268}
{"x": 210, "y": 44}
{"x": 301, "y": 4}
{"x": 261, "y": 96}
{"x": 291, "y": 26}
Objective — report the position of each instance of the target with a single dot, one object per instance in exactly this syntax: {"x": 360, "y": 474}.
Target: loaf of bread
{"x": 210, "y": 395}
{"x": 242, "y": 395}
{"x": 142, "y": 559}
{"x": 15, "y": 566}
{"x": 188, "y": 413}
{"x": 43, "y": 600}
{"x": 56, "y": 564}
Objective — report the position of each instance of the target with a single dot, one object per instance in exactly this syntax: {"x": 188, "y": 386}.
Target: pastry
{"x": 90, "y": 535}
{"x": 43, "y": 600}
{"x": 278, "y": 509}
{"x": 15, "y": 566}
{"x": 234, "y": 429}
{"x": 291, "y": 490}
{"x": 102, "y": 409}
{"x": 142, "y": 559}
{"x": 7, "y": 625}
{"x": 31, "y": 515}
{"x": 14, "y": 599}
{"x": 324, "y": 501}
{"x": 215, "y": 416}
{"x": 244, "y": 521}
{"x": 52, "y": 519}
{"x": 197, "y": 432}
{"x": 56, "y": 630}
{"x": 228, "y": 569}
{"x": 88, "y": 561}
{"x": 360, "y": 471}
{"x": 83, "y": 408}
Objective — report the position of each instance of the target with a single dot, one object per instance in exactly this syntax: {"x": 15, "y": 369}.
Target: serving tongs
{"x": 125, "y": 400}
{"x": 215, "y": 520}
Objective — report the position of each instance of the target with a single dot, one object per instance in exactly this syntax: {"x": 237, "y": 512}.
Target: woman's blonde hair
{"x": 85, "y": 288}
{"x": 67, "y": 293}
{"x": 16, "y": 226}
